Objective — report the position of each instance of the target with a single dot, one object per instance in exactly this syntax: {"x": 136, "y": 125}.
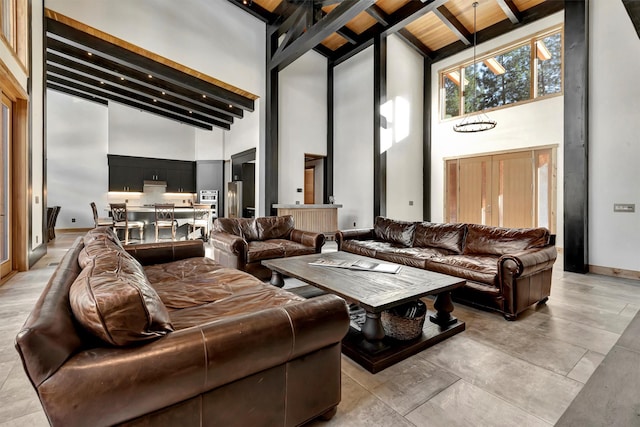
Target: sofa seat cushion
{"x": 113, "y": 300}
{"x": 449, "y": 237}
{"x": 199, "y": 290}
{"x": 394, "y": 231}
{"x": 361, "y": 247}
{"x": 276, "y": 248}
{"x": 413, "y": 257}
{"x": 483, "y": 239}
{"x": 478, "y": 268}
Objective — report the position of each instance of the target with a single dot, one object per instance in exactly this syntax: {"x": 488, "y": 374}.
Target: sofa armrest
{"x": 528, "y": 262}
{"x": 189, "y": 362}
{"x": 158, "y": 253}
{"x": 308, "y": 238}
{"x": 230, "y": 243}
{"x": 355, "y": 234}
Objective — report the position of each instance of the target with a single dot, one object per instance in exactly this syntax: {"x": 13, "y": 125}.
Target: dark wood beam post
{"x": 271, "y": 133}
{"x": 576, "y": 136}
{"x": 426, "y": 140}
{"x": 379, "y": 98}
{"x": 328, "y": 162}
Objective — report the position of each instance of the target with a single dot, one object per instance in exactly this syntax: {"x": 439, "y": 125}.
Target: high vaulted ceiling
{"x": 436, "y": 28}
{"x": 87, "y": 63}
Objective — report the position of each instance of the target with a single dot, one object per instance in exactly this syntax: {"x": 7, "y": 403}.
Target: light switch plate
{"x": 624, "y": 207}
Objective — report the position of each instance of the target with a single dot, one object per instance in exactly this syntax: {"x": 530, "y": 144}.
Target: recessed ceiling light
{"x": 155, "y": 100}
{"x": 190, "y": 112}
{"x": 121, "y": 78}
{"x": 204, "y": 96}
{"x": 89, "y": 53}
{"x": 150, "y": 76}
{"x": 163, "y": 93}
{"x": 230, "y": 106}
{"x": 101, "y": 83}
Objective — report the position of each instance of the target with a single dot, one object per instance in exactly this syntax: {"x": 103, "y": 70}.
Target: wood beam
{"x": 426, "y": 139}
{"x": 414, "y": 42}
{"x": 576, "y": 136}
{"x": 378, "y": 14}
{"x": 329, "y": 161}
{"x": 270, "y": 165}
{"x": 379, "y": 98}
{"x": 633, "y": 9}
{"x": 318, "y": 32}
{"x": 349, "y": 35}
{"x": 453, "y": 24}
{"x": 511, "y": 10}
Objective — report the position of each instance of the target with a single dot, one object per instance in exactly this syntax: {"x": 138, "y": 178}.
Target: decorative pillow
{"x": 249, "y": 229}
{"x": 393, "y": 231}
{"x": 443, "y": 236}
{"x": 113, "y": 300}
{"x": 274, "y": 227}
{"x": 483, "y": 239}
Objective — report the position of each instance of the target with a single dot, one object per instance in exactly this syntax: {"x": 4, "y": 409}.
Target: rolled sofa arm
{"x": 230, "y": 243}
{"x": 157, "y": 253}
{"x": 308, "y": 238}
{"x": 355, "y": 234}
{"x": 528, "y": 262}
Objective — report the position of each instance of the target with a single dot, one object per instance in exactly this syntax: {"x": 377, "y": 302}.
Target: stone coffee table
{"x": 376, "y": 292}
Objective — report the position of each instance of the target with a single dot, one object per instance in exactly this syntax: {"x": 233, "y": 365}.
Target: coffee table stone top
{"x": 374, "y": 291}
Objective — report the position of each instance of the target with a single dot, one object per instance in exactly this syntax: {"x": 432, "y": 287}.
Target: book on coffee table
{"x": 358, "y": 265}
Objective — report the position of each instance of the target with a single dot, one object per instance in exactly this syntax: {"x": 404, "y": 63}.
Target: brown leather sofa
{"x": 157, "y": 334}
{"x": 243, "y": 243}
{"x": 506, "y": 269}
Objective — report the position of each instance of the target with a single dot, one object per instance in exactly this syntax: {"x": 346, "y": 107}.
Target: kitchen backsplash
{"x": 151, "y": 196}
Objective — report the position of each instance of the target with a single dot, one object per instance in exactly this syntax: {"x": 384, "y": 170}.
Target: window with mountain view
{"x": 526, "y": 71}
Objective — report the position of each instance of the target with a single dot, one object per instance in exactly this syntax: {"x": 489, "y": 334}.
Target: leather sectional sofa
{"x": 157, "y": 334}
{"x": 506, "y": 269}
{"x": 243, "y": 243}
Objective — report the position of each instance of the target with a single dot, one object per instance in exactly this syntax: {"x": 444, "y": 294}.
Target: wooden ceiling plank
{"x": 410, "y": 12}
{"x": 128, "y": 84}
{"x": 318, "y": 32}
{"x": 80, "y": 55}
{"x": 135, "y": 60}
{"x": 131, "y": 103}
{"x": 511, "y": 10}
{"x": 453, "y": 24}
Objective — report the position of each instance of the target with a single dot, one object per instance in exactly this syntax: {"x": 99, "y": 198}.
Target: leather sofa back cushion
{"x": 449, "y": 237}
{"x": 482, "y": 239}
{"x": 96, "y": 247}
{"x": 101, "y": 233}
{"x": 393, "y": 231}
{"x": 245, "y": 228}
{"x": 113, "y": 300}
{"x": 274, "y": 227}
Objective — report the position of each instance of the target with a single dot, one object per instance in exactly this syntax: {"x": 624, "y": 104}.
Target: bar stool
{"x": 165, "y": 218}
{"x": 121, "y": 221}
{"x": 99, "y": 222}
{"x": 201, "y": 220}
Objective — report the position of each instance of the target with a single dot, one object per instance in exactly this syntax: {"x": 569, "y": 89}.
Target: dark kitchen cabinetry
{"x": 128, "y": 173}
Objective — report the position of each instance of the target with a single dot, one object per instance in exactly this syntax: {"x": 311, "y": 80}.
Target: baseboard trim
{"x": 614, "y": 272}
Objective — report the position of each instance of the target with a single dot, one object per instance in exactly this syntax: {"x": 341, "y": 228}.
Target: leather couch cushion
{"x": 101, "y": 233}
{"x": 274, "y": 227}
{"x": 483, "y": 239}
{"x": 113, "y": 300}
{"x": 393, "y": 231}
{"x": 96, "y": 247}
{"x": 479, "y": 268}
{"x": 443, "y": 236}
{"x": 243, "y": 227}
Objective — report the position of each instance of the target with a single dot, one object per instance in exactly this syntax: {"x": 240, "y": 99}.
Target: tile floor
{"x": 496, "y": 373}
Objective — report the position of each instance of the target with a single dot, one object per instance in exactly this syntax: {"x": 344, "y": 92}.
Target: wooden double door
{"x": 515, "y": 189}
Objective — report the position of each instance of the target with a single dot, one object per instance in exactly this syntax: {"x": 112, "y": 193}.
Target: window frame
{"x": 533, "y": 80}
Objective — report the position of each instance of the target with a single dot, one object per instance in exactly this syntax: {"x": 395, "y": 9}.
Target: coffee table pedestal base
{"x": 375, "y": 356}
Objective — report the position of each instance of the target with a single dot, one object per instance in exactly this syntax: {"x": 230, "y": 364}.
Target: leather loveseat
{"x": 243, "y": 243}
{"x": 506, "y": 269}
{"x": 157, "y": 334}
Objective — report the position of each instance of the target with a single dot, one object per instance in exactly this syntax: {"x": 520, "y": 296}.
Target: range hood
{"x": 154, "y": 184}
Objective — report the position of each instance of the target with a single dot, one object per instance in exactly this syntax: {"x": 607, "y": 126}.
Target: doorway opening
{"x": 314, "y": 170}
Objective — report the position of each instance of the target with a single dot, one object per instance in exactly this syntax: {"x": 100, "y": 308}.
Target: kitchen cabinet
{"x": 128, "y": 173}
{"x": 124, "y": 175}
{"x": 181, "y": 179}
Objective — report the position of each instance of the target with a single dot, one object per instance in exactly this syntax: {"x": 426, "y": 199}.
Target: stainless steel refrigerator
{"x": 234, "y": 199}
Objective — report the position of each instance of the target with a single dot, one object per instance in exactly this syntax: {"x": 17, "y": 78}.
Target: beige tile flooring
{"x": 496, "y": 373}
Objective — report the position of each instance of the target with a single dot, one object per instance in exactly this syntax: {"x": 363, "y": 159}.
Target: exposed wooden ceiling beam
{"x": 511, "y": 10}
{"x": 349, "y": 35}
{"x": 76, "y": 93}
{"x": 378, "y": 14}
{"x": 314, "y": 35}
{"x": 414, "y": 42}
{"x": 453, "y": 24}
{"x": 633, "y": 9}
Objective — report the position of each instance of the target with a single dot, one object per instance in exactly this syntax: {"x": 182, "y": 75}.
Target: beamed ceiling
{"x": 87, "y": 63}
{"x": 436, "y": 28}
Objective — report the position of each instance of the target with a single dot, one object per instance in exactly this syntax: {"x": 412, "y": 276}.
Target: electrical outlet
{"x": 73, "y": 220}
{"x": 410, "y": 202}
{"x": 354, "y": 223}
{"x": 37, "y": 199}
{"x": 36, "y": 239}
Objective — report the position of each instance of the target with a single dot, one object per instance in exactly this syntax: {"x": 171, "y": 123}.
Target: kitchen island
{"x": 319, "y": 218}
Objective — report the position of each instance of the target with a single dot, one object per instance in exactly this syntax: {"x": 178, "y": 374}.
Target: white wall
{"x": 404, "y": 156}
{"x": 539, "y": 123}
{"x": 353, "y": 140}
{"x": 302, "y": 121}
{"x": 614, "y": 151}
{"x": 77, "y": 170}
{"x": 137, "y": 133}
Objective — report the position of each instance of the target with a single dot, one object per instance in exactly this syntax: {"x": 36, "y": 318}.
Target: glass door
{"x": 5, "y": 189}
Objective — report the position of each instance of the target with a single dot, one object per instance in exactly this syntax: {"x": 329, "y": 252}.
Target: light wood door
{"x": 474, "y": 189}
{"x": 309, "y": 186}
{"x": 513, "y": 189}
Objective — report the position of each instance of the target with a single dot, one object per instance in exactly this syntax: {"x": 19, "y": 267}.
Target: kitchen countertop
{"x": 314, "y": 206}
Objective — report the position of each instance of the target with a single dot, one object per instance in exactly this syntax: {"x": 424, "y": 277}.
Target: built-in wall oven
{"x": 210, "y": 197}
